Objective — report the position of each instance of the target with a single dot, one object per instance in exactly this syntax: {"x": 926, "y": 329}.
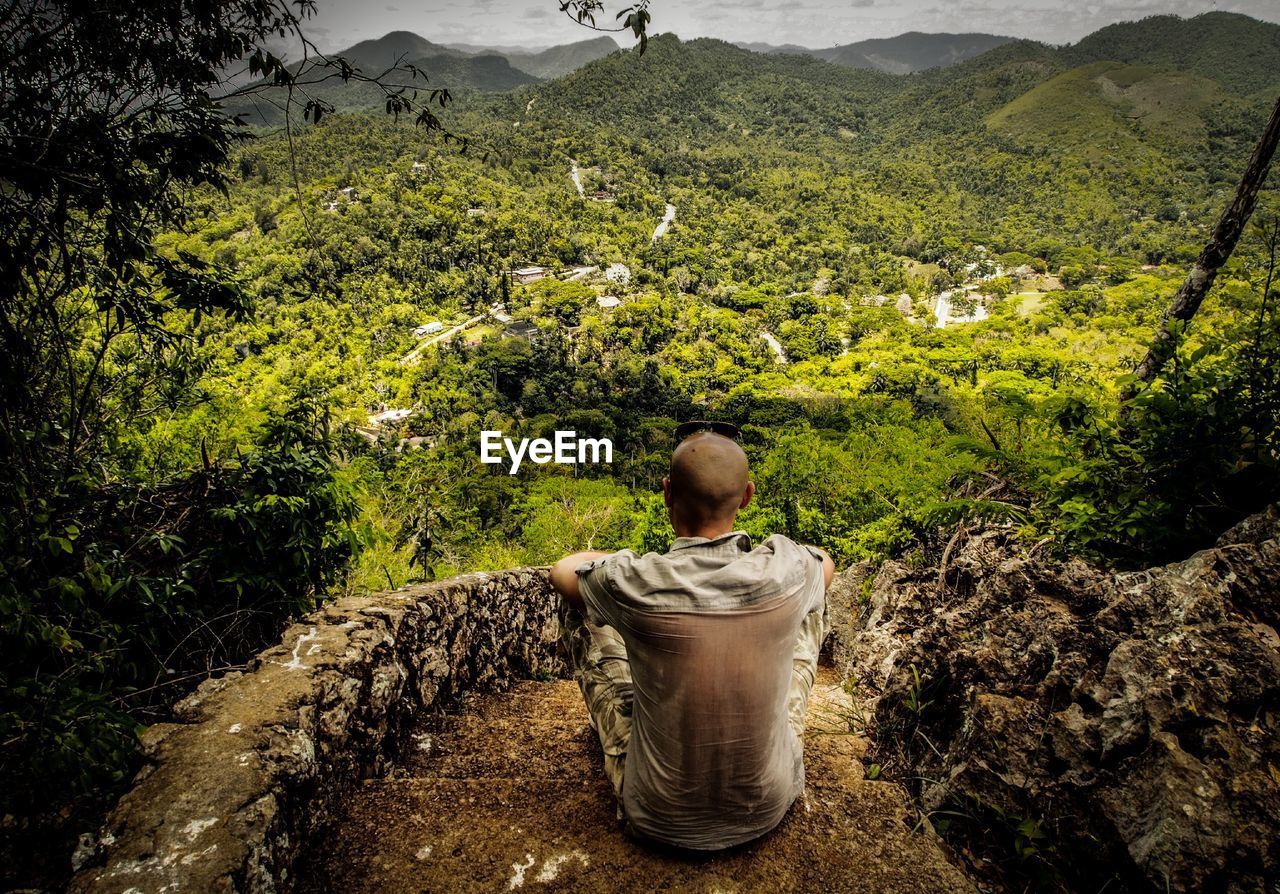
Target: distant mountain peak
{"x": 912, "y": 51}
{"x": 1241, "y": 52}
{"x": 539, "y": 62}
{"x": 392, "y": 47}
{"x": 903, "y": 54}
{"x": 403, "y": 36}
{"x": 560, "y": 60}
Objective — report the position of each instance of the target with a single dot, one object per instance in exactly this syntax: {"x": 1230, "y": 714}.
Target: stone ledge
{"x": 231, "y": 792}
{"x": 1133, "y": 719}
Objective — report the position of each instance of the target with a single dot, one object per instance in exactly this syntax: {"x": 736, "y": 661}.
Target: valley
{"x": 844, "y": 248}
{"x": 918, "y": 273}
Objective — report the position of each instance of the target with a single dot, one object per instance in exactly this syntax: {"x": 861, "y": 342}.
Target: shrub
{"x": 116, "y": 598}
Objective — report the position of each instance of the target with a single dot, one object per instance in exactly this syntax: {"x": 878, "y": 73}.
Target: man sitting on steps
{"x": 696, "y": 664}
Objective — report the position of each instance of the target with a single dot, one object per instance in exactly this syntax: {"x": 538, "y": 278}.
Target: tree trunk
{"x": 1223, "y": 242}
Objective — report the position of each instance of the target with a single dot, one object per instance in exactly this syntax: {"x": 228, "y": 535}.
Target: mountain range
{"x": 1228, "y": 47}
{"x": 906, "y": 53}
{"x": 527, "y": 65}
{"x": 556, "y": 61}
{"x": 955, "y": 80}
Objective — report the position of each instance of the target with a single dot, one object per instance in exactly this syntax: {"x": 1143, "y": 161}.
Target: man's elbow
{"x": 564, "y": 577}
{"x": 828, "y": 568}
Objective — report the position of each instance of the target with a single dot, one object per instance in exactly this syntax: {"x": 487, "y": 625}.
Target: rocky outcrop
{"x": 1093, "y": 728}
{"x": 229, "y": 794}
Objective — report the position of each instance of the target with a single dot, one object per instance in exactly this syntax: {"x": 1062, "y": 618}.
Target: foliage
{"x": 114, "y": 598}
{"x": 634, "y": 18}
{"x": 125, "y": 574}
{"x": 1195, "y": 453}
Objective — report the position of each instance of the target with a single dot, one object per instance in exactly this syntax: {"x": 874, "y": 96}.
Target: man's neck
{"x": 709, "y": 530}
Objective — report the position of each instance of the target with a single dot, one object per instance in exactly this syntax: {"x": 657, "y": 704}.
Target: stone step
{"x": 504, "y": 735}
{"x": 510, "y": 794}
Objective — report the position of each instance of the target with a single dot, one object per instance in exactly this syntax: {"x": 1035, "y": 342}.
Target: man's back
{"x": 711, "y": 631}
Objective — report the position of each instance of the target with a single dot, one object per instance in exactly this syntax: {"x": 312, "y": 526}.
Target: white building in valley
{"x": 530, "y": 274}
{"x": 389, "y": 417}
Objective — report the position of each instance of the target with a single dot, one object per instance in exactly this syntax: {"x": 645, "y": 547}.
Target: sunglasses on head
{"x": 693, "y": 427}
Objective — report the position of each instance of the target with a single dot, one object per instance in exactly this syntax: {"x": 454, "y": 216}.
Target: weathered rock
{"x": 845, "y": 596}
{"x": 230, "y": 794}
{"x": 1132, "y": 718}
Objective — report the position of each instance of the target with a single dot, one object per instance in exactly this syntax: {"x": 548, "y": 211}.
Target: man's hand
{"x": 564, "y": 577}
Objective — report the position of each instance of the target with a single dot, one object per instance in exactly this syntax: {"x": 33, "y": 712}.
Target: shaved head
{"x": 708, "y": 480}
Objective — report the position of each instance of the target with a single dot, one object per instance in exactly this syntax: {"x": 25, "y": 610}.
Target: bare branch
{"x": 1186, "y": 301}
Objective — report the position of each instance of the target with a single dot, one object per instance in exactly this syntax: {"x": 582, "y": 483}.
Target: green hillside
{"x": 1239, "y": 52}
{"x": 560, "y": 60}
{"x": 704, "y": 88}
{"x": 956, "y": 99}
{"x": 494, "y": 73}
{"x": 910, "y": 52}
{"x": 1107, "y": 107}
{"x": 454, "y": 71}
{"x": 962, "y": 81}
{"x": 902, "y": 54}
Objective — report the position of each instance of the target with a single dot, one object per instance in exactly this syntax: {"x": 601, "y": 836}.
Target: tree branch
{"x": 1187, "y": 300}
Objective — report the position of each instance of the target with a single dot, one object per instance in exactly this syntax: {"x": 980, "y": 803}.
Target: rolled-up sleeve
{"x": 597, "y": 595}
{"x": 816, "y": 598}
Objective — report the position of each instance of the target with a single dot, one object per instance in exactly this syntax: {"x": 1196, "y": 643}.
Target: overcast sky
{"x": 813, "y": 23}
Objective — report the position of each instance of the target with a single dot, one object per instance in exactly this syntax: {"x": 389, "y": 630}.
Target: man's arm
{"x": 828, "y": 567}
{"x": 564, "y": 577}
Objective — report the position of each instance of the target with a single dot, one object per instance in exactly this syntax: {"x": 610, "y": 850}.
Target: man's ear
{"x": 747, "y": 495}
{"x": 666, "y": 491}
